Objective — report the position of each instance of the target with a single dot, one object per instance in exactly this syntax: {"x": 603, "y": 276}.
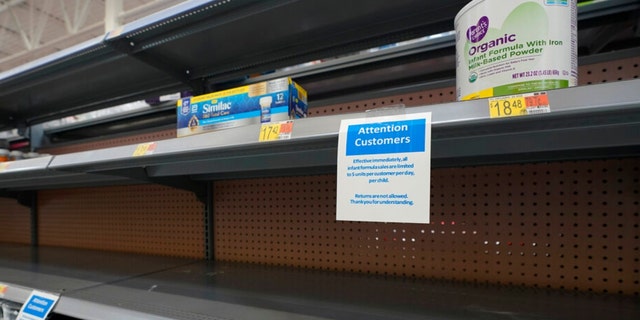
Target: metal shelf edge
{"x": 576, "y": 103}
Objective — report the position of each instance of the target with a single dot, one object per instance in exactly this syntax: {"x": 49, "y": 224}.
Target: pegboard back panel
{"x": 609, "y": 71}
{"x": 616, "y": 70}
{"x": 565, "y": 225}
{"x": 15, "y": 225}
{"x": 112, "y": 142}
{"x": 414, "y": 99}
{"x": 147, "y": 219}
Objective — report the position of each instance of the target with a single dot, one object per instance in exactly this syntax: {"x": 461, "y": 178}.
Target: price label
{"x": 519, "y": 105}
{"x": 3, "y": 289}
{"x": 276, "y": 131}
{"x": 4, "y": 166}
{"x": 144, "y": 149}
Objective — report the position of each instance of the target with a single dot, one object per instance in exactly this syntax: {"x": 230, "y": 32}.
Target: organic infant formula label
{"x": 513, "y": 47}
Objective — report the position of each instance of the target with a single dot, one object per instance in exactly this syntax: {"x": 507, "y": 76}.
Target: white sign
{"x": 384, "y": 169}
{"x": 37, "y": 306}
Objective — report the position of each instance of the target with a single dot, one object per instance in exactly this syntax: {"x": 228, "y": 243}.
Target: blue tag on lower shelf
{"x": 38, "y": 306}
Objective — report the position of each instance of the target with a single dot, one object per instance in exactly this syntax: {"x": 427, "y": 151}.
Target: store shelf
{"x": 348, "y": 296}
{"x": 32, "y": 174}
{"x": 594, "y": 121}
{"x": 75, "y": 80}
{"x": 586, "y": 122}
{"x": 102, "y": 285}
{"x": 163, "y": 53}
{"x": 63, "y": 271}
{"x": 315, "y": 30}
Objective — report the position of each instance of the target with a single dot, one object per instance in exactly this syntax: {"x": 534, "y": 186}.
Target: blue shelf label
{"x": 38, "y": 306}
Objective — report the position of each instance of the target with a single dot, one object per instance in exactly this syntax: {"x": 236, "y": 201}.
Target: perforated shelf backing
{"x": 609, "y": 71}
{"x": 569, "y": 225}
{"x": 112, "y": 142}
{"x": 147, "y": 219}
{"x": 14, "y": 222}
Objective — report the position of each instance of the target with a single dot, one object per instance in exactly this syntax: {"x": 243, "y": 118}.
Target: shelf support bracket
{"x": 199, "y": 189}
{"x": 209, "y": 223}
{"x": 182, "y": 75}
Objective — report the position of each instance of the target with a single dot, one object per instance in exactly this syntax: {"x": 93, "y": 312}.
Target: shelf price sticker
{"x": 145, "y": 149}
{"x": 3, "y": 289}
{"x": 4, "y": 166}
{"x": 276, "y": 131}
{"x": 519, "y": 105}
{"x": 38, "y": 306}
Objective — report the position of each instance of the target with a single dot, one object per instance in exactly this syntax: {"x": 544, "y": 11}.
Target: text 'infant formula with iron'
{"x": 516, "y": 46}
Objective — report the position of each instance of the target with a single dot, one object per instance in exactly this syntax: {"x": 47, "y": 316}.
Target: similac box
{"x": 268, "y": 101}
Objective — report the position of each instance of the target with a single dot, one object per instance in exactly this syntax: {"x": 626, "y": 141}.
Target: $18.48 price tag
{"x": 276, "y": 131}
{"x": 519, "y": 105}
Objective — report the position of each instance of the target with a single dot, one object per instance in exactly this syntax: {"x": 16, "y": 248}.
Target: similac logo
{"x": 220, "y": 106}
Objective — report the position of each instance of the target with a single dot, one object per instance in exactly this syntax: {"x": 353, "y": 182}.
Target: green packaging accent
{"x": 530, "y": 86}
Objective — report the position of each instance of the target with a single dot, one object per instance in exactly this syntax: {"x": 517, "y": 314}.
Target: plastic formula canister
{"x": 515, "y": 46}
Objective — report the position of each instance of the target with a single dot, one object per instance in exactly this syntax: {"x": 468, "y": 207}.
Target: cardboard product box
{"x": 268, "y": 101}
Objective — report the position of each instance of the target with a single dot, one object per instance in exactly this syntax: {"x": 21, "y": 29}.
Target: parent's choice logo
{"x": 477, "y": 32}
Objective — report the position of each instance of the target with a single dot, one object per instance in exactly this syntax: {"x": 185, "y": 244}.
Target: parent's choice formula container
{"x": 515, "y": 46}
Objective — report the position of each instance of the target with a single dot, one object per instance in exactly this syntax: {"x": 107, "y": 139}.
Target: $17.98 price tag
{"x": 519, "y": 105}
{"x": 144, "y": 149}
{"x": 276, "y": 131}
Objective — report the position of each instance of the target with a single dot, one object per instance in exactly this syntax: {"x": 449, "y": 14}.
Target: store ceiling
{"x": 31, "y": 29}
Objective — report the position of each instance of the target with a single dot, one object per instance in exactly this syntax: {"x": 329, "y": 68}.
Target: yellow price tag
{"x": 276, "y": 131}
{"x": 269, "y": 132}
{"x": 519, "y": 105}
{"x": 144, "y": 149}
{"x": 511, "y": 106}
{"x": 4, "y": 166}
